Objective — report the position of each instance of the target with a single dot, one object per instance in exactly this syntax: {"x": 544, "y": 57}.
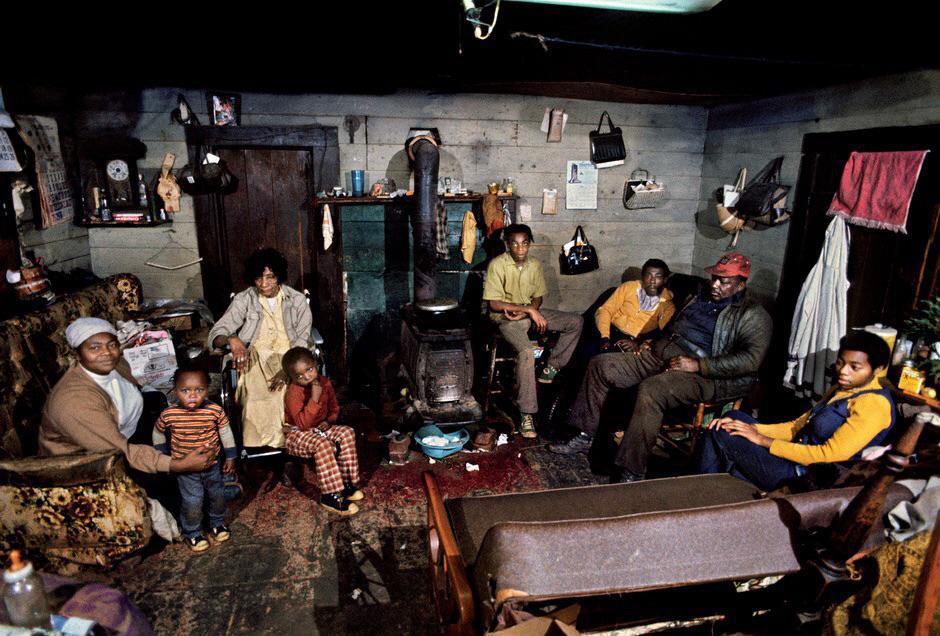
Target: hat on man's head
{"x": 84, "y": 328}
{"x": 731, "y": 264}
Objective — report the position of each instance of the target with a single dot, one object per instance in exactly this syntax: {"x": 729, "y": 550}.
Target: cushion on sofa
{"x": 472, "y": 517}
{"x": 77, "y": 508}
{"x": 34, "y": 354}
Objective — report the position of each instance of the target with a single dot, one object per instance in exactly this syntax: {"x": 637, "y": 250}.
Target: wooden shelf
{"x": 922, "y": 399}
{"x": 85, "y": 223}
{"x": 406, "y": 198}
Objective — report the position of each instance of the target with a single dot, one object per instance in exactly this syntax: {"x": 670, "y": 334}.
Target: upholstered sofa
{"x": 80, "y": 509}
{"x": 496, "y": 552}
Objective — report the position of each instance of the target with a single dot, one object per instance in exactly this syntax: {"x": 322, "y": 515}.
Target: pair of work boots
{"x": 342, "y": 503}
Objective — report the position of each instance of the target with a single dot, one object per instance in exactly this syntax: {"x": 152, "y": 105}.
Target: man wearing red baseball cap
{"x": 732, "y": 264}
{"x": 711, "y": 351}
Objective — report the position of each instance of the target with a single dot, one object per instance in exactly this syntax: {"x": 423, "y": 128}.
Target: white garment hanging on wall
{"x": 327, "y": 226}
{"x": 821, "y": 315}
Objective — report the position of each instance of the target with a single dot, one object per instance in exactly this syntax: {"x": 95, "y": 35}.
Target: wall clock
{"x": 117, "y": 175}
{"x": 115, "y": 161}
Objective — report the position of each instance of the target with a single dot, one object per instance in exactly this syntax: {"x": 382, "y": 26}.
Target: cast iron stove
{"x": 438, "y": 364}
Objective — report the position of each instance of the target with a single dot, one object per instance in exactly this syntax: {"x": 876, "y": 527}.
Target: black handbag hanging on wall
{"x": 607, "y": 148}
{"x": 581, "y": 258}
{"x": 764, "y": 192}
{"x": 200, "y": 177}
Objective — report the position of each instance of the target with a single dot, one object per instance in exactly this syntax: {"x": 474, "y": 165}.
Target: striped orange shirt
{"x": 191, "y": 430}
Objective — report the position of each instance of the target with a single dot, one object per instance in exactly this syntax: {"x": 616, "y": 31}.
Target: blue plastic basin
{"x": 459, "y": 440}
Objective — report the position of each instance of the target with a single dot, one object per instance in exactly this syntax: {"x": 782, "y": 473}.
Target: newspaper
{"x": 581, "y": 186}
{"x": 152, "y": 364}
{"x": 41, "y": 134}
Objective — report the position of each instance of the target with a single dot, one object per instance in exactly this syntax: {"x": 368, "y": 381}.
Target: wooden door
{"x": 279, "y": 171}
{"x": 889, "y": 272}
{"x": 270, "y": 208}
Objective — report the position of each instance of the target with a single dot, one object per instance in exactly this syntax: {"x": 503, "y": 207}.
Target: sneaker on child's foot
{"x": 351, "y": 492}
{"x": 220, "y": 533}
{"x": 197, "y": 543}
{"x": 547, "y": 376}
{"x": 334, "y": 502}
{"x": 527, "y": 426}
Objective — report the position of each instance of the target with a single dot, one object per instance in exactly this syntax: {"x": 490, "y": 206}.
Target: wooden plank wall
{"x": 62, "y": 247}
{"x": 486, "y": 138}
{"x": 752, "y": 134}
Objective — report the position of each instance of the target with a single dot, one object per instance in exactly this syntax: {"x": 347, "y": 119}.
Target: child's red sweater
{"x": 304, "y": 413}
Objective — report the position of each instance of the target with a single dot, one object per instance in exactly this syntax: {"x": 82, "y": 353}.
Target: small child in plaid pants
{"x": 311, "y": 410}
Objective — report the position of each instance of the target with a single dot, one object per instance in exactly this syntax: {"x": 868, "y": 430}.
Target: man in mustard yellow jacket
{"x": 636, "y": 308}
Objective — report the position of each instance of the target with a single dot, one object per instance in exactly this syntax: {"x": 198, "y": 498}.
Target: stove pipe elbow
{"x": 422, "y": 147}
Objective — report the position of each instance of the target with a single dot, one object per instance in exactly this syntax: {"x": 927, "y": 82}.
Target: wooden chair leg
{"x": 494, "y": 345}
{"x": 696, "y": 427}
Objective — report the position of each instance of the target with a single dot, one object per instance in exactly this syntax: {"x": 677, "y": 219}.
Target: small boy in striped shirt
{"x": 197, "y": 423}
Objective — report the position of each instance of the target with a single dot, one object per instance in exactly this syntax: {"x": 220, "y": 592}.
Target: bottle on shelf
{"x": 103, "y": 210}
{"x": 142, "y": 197}
{"x": 158, "y": 206}
{"x": 95, "y": 203}
{"x": 24, "y": 595}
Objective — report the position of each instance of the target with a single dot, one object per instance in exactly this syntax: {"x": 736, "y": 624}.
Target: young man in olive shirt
{"x": 514, "y": 288}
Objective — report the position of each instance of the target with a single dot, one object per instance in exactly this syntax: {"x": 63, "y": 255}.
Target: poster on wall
{"x": 581, "y": 186}
{"x": 41, "y": 134}
{"x": 8, "y": 162}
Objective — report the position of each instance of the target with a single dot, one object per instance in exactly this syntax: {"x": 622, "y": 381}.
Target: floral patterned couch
{"x": 78, "y": 509}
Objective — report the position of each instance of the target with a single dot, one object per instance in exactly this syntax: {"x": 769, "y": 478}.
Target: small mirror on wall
{"x": 224, "y": 108}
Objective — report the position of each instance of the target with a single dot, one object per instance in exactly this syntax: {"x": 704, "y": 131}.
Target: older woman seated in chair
{"x": 260, "y": 325}
{"x": 97, "y": 406}
{"x": 855, "y": 414}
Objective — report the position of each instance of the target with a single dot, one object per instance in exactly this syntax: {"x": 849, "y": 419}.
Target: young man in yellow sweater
{"x": 636, "y": 308}
{"x": 856, "y": 413}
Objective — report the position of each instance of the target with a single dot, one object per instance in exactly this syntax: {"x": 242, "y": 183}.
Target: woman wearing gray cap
{"x": 96, "y": 405}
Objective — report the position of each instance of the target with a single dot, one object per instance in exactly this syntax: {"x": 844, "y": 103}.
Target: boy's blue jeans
{"x": 725, "y": 453}
{"x": 194, "y": 488}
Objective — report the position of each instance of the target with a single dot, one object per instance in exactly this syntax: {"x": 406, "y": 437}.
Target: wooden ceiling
{"x": 739, "y": 50}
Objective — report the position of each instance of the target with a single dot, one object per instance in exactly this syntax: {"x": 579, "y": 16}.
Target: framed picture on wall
{"x": 224, "y": 108}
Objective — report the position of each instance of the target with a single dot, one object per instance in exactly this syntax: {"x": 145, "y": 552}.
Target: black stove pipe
{"x": 422, "y": 148}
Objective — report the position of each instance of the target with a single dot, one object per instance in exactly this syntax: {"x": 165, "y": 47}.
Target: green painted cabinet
{"x": 375, "y": 257}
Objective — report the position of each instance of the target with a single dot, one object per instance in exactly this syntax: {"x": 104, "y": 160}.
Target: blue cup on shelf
{"x": 358, "y": 178}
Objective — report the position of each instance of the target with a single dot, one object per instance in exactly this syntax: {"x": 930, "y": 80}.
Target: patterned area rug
{"x": 293, "y": 568}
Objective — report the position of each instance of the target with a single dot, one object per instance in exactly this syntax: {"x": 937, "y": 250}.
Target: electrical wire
{"x": 478, "y": 31}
